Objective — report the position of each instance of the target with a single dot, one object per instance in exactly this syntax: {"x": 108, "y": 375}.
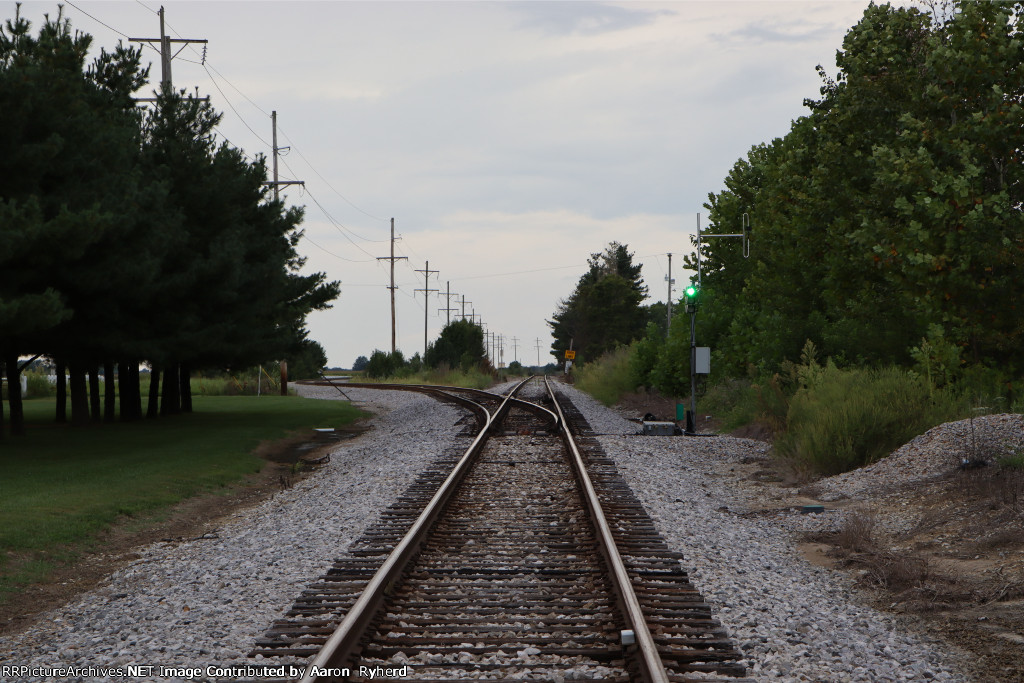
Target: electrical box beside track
{"x": 659, "y": 428}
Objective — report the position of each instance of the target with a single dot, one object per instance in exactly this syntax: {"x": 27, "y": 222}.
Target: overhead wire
{"x": 350, "y": 203}
{"x": 338, "y": 225}
{"x": 207, "y": 67}
{"x": 240, "y": 117}
{"x": 125, "y": 35}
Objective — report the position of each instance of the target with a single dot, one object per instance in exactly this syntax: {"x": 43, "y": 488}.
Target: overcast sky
{"x": 509, "y": 140}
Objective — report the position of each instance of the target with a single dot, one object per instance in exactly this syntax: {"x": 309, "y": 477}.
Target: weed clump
{"x": 608, "y": 377}
{"x": 839, "y": 420}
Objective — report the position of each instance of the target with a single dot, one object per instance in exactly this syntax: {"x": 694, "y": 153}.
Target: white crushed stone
{"x": 936, "y": 453}
{"x": 792, "y": 620}
{"x": 205, "y": 602}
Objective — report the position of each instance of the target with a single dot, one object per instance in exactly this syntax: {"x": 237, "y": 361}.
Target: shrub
{"x": 734, "y": 402}
{"x": 844, "y": 419}
{"x": 383, "y": 364}
{"x": 608, "y": 377}
{"x": 38, "y": 385}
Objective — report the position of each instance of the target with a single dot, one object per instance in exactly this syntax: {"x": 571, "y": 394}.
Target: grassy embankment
{"x": 60, "y": 488}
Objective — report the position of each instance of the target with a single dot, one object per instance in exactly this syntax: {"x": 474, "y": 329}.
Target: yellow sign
{"x": 570, "y": 354}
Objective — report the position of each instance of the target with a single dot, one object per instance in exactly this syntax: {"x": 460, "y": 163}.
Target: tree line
{"x": 887, "y": 225}
{"x": 130, "y": 236}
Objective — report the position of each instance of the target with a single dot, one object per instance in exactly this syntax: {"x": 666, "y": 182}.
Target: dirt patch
{"x": 756, "y": 431}
{"x": 947, "y": 555}
{"x": 289, "y": 460}
{"x": 818, "y": 554}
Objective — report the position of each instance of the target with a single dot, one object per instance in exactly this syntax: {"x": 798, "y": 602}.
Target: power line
{"x": 205, "y": 64}
{"x": 337, "y": 226}
{"x": 240, "y": 118}
{"x": 299, "y": 152}
{"x": 242, "y": 94}
{"x": 208, "y": 68}
{"x": 97, "y": 20}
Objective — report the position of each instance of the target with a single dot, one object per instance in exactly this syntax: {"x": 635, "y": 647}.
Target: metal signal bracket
{"x": 744, "y": 235}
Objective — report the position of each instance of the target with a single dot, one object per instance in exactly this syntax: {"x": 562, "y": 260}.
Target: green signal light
{"x": 691, "y": 291}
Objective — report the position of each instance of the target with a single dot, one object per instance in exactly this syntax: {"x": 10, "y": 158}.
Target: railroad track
{"x": 527, "y": 556}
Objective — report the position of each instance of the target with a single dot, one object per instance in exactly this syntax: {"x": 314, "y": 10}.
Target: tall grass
{"x": 608, "y": 377}
{"x": 845, "y": 419}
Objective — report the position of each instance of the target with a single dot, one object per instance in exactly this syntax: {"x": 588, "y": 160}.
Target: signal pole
{"x": 426, "y": 297}
{"x": 668, "y": 322}
{"x": 538, "y": 352}
{"x": 392, "y": 258}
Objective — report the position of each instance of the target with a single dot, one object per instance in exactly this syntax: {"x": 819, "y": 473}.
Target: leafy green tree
{"x": 360, "y": 363}
{"x": 383, "y": 364}
{"x": 231, "y": 291}
{"x": 604, "y": 310}
{"x": 892, "y": 207}
{"x": 134, "y": 239}
{"x": 460, "y": 345}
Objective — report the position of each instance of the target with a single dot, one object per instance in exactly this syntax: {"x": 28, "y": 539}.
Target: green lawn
{"x": 60, "y": 487}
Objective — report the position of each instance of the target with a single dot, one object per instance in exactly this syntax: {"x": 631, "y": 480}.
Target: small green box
{"x": 680, "y": 411}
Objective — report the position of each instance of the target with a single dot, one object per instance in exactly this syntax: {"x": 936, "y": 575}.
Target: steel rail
{"x": 652, "y": 668}
{"x": 345, "y": 639}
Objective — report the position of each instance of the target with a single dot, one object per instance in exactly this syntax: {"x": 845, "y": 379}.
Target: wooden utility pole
{"x": 449, "y": 296}
{"x": 538, "y": 352}
{"x": 277, "y": 184}
{"x": 426, "y": 298}
{"x": 515, "y": 346}
{"x": 464, "y": 302}
{"x": 165, "y": 54}
{"x": 392, "y": 258}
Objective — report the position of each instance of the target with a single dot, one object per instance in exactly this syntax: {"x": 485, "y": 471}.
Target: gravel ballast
{"x": 793, "y": 620}
{"x": 205, "y": 602}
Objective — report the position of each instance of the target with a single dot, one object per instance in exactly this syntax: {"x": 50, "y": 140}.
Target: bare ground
{"x": 190, "y": 519}
{"x": 953, "y": 567}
